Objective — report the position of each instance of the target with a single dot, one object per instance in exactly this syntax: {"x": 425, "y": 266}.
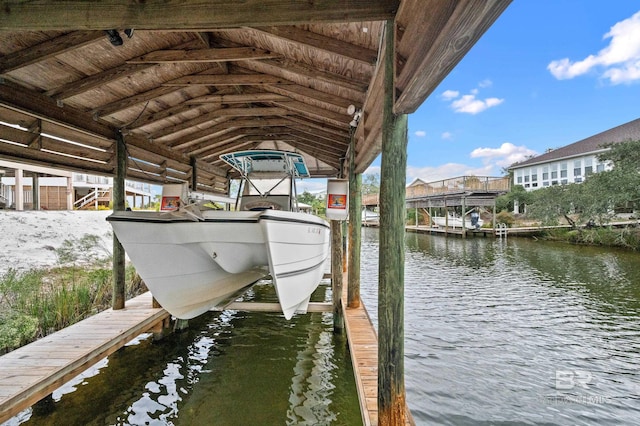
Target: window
{"x": 588, "y": 166}
{"x": 554, "y": 182}
{"x": 600, "y": 167}
{"x": 534, "y": 177}
{"x": 545, "y": 175}
{"x": 554, "y": 175}
{"x": 578, "y": 179}
{"x": 564, "y": 181}
{"x": 563, "y": 170}
{"x": 577, "y": 168}
{"x": 545, "y": 183}
{"x": 519, "y": 180}
{"x": 526, "y": 178}
{"x": 534, "y": 185}
{"x": 554, "y": 172}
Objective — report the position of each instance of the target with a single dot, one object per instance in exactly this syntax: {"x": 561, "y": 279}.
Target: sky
{"x": 546, "y": 74}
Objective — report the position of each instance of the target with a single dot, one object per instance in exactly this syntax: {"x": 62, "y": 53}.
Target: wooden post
{"x": 464, "y": 216}
{"x": 194, "y": 173}
{"x": 118, "y": 205}
{"x": 494, "y": 215}
{"x": 336, "y": 275}
{"x": 391, "y": 391}
{"x": 35, "y": 188}
{"x": 355, "y": 230}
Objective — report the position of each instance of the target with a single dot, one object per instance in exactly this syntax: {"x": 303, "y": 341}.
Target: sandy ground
{"x": 29, "y": 239}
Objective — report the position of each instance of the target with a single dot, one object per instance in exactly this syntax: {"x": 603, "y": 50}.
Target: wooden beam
{"x": 119, "y": 194}
{"x": 425, "y": 71}
{"x": 278, "y": 67}
{"x": 336, "y": 275}
{"x": 226, "y": 126}
{"x": 36, "y": 105}
{"x": 186, "y": 14}
{"x": 125, "y": 103}
{"x": 391, "y": 390}
{"x": 238, "y": 98}
{"x": 355, "y": 229}
{"x": 212, "y": 117}
{"x": 301, "y": 93}
{"x": 46, "y": 49}
{"x": 321, "y": 114}
{"x": 204, "y": 55}
{"x": 321, "y": 42}
{"x": 97, "y": 80}
{"x": 105, "y": 77}
{"x": 226, "y": 80}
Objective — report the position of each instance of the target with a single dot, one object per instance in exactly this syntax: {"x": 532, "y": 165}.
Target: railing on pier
{"x": 459, "y": 184}
{"x": 489, "y": 184}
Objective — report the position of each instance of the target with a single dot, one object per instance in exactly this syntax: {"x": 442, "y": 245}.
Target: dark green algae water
{"x": 228, "y": 368}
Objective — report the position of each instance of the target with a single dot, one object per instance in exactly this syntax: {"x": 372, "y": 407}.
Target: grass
{"x": 39, "y": 302}
{"x": 627, "y": 238}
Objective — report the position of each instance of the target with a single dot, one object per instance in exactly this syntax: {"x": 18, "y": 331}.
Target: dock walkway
{"x": 32, "y": 372}
{"x": 363, "y": 345}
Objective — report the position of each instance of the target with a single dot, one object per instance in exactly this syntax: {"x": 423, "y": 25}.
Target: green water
{"x": 230, "y": 368}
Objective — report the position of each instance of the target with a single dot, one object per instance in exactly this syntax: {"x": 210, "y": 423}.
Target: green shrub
{"x": 506, "y": 218}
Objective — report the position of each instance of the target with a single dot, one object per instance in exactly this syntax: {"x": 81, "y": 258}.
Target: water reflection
{"x": 228, "y": 368}
{"x": 517, "y": 332}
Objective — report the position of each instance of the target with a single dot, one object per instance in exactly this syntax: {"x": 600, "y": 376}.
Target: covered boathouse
{"x": 155, "y": 91}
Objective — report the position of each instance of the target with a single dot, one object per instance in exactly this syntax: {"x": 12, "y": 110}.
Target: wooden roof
{"x": 201, "y": 78}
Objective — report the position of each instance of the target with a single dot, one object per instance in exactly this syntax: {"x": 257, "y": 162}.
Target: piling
{"x": 391, "y": 389}
{"x": 118, "y": 205}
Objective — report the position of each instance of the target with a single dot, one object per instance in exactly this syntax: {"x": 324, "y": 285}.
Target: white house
{"x": 29, "y": 187}
{"x": 572, "y": 163}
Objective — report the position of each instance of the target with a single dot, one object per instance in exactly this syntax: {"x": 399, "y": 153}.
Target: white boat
{"x": 454, "y": 222}
{"x": 370, "y": 216}
{"x": 193, "y": 259}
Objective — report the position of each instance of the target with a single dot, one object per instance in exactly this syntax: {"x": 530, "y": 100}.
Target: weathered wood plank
{"x": 226, "y": 80}
{"x": 186, "y": 14}
{"x": 32, "y": 372}
{"x": 204, "y": 55}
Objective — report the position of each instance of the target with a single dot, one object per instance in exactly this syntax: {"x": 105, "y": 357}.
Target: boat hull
{"x": 454, "y": 222}
{"x": 192, "y": 266}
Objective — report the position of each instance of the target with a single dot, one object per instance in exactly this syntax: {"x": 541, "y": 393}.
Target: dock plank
{"x": 363, "y": 345}
{"x": 34, "y": 371}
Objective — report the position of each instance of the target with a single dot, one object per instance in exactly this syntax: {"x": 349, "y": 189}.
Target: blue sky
{"x": 546, "y": 74}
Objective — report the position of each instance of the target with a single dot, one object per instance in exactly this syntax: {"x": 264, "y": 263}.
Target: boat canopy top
{"x": 268, "y": 162}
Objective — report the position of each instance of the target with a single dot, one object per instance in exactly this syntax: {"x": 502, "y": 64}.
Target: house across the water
{"x": 572, "y": 163}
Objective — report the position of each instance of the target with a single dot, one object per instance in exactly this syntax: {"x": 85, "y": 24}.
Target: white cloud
{"x": 504, "y": 156}
{"x": 446, "y": 135}
{"x": 447, "y": 95}
{"x": 620, "y": 60}
{"x": 421, "y": 133}
{"x": 470, "y": 105}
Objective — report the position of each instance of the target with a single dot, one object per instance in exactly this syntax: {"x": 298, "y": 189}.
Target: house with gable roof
{"x": 572, "y": 163}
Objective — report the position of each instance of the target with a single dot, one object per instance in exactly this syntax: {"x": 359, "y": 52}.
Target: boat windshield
{"x": 268, "y": 186}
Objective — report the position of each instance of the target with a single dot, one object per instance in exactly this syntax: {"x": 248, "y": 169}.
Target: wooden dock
{"x": 32, "y": 372}
{"x": 363, "y": 345}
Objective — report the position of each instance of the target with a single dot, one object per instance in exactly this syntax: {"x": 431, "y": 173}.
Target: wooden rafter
{"x": 186, "y": 14}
